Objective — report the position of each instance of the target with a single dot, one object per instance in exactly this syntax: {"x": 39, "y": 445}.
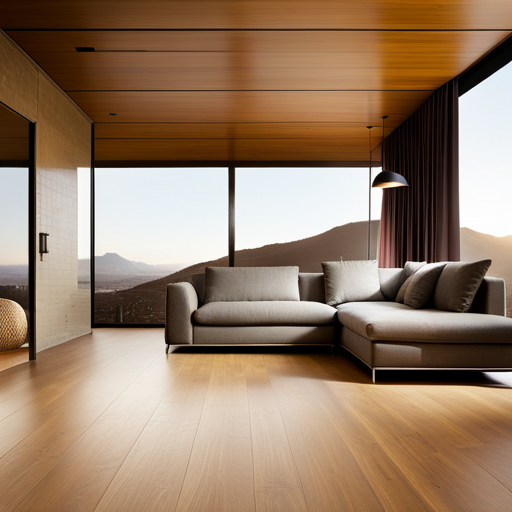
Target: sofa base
{"x": 210, "y": 345}
{"x": 400, "y": 355}
{"x": 265, "y": 335}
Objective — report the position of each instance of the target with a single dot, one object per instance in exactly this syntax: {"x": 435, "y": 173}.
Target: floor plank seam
{"x": 313, "y": 396}
{"x": 78, "y": 382}
{"x": 138, "y": 437}
{"x": 62, "y": 455}
{"x": 252, "y": 441}
{"x": 195, "y": 434}
{"x": 480, "y": 465}
{"x": 287, "y": 435}
{"x": 78, "y": 360}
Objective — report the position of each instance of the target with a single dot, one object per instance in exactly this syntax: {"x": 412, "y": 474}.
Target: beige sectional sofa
{"x": 251, "y": 310}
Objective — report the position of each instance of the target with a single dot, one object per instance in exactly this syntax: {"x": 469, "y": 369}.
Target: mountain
{"x": 114, "y": 265}
{"x": 146, "y": 302}
{"x": 348, "y": 242}
{"x": 478, "y": 246}
{"x": 14, "y": 275}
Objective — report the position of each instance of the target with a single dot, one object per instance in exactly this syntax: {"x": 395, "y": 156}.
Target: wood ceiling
{"x": 254, "y": 80}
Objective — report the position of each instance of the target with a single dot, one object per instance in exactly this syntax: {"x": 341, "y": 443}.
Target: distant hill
{"x": 14, "y": 275}
{"x": 478, "y": 246}
{"x": 111, "y": 263}
{"x": 348, "y": 242}
{"x": 146, "y": 302}
{"x": 113, "y": 272}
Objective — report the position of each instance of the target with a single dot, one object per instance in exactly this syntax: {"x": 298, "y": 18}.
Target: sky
{"x": 180, "y": 216}
{"x": 13, "y": 216}
{"x": 485, "y": 174}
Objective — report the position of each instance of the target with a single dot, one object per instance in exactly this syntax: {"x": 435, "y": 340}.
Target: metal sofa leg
{"x": 374, "y": 375}
{"x": 167, "y": 349}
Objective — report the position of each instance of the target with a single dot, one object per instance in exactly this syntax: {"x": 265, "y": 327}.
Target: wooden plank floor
{"x": 12, "y": 358}
{"x": 109, "y": 422}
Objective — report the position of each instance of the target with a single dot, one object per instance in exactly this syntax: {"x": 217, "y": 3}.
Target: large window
{"x": 84, "y": 228}
{"x": 157, "y": 226}
{"x": 486, "y": 177}
{"x": 153, "y": 227}
{"x": 304, "y": 216}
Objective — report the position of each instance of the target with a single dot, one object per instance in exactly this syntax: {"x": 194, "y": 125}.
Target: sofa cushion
{"x": 410, "y": 268}
{"x": 397, "y": 322}
{"x": 422, "y": 286}
{"x": 390, "y": 281}
{"x": 311, "y": 286}
{"x": 458, "y": 284}
{"x": 265, "y": 313}
{"x": 233, "y": 284}
{"x": 349, "y": 281}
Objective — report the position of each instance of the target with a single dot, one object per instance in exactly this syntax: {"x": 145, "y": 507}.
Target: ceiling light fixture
{"x": 81, "y": 49}
{"x": 388, "y": 179}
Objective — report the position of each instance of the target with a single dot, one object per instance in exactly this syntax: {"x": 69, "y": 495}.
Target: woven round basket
{"x": 13, "y": 325}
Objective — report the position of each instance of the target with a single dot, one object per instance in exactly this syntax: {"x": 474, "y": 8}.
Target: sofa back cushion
{"x": 351, "y": 281}
{"x": 459, "y": 284}
{"x": 422, "y": 285}
{"x": 311, "y": 286}
{"x": 390, "y": 281}
{"x": 236, "y": 284}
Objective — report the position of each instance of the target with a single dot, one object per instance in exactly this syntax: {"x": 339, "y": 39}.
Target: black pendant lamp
{"x": 388, "y": 179}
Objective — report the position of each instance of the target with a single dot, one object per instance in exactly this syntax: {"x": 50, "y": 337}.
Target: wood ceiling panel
{"x": 14, "y": 137}
{"x": 273, "y": 14}
{"x": 337, "y": 131}
{"x": 256, "y": 61}
{"x": 250, "y": 107}
{"x": 161, "y": 149}
{"x": 12, "y": 125}
{"x": 12, "y": 149}
{"x": 224, "y": 150}
{"x": 251, "y": 79}
{"x": 261, "y": 41}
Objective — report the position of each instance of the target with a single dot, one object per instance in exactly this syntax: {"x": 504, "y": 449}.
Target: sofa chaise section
{"x": 389, "y": 335}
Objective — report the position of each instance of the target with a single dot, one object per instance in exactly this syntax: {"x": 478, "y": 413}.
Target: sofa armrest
{"x": 181, "y": 302}
{"x": 491, "y": 297}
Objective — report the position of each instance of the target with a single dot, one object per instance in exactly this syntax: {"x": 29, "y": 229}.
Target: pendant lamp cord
{"x": 383, "y": 137}
{"x": 369, "y": 189}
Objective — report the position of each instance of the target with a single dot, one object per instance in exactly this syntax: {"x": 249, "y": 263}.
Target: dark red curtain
{"x": 421, "y": 222}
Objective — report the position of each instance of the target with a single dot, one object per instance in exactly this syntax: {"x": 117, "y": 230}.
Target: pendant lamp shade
{"x": 388, "y": 179}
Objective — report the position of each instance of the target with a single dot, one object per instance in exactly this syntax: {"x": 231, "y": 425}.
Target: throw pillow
{"x": 458, "y": 285}
{"x": 351, "y": 281}
{"x": 423, "y": 284}
{"x": 410, "y": 268}
{"x": 401, "y": 293}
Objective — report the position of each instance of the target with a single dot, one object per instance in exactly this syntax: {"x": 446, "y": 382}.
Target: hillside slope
{"x": 145, "y": 302}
